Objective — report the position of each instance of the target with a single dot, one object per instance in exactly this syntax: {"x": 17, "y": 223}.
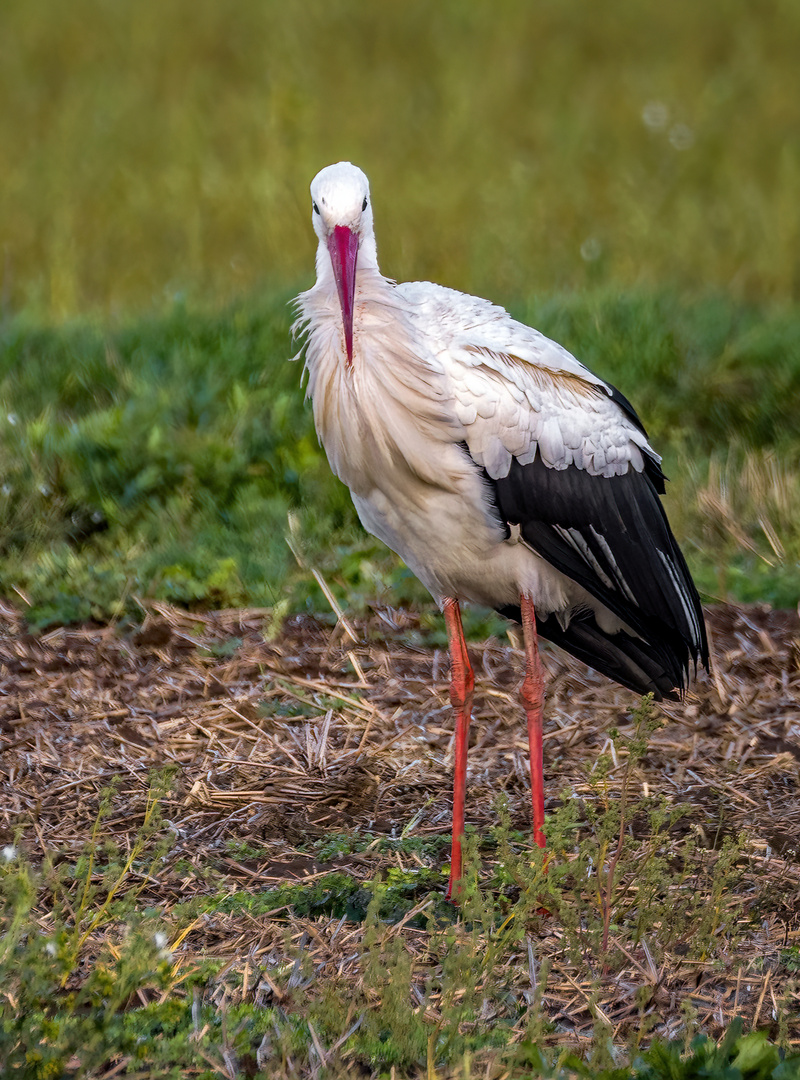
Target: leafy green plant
{"x": 735, "y": 1057}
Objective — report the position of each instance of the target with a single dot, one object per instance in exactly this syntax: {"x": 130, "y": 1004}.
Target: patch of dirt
{"x": 277, "y": 743}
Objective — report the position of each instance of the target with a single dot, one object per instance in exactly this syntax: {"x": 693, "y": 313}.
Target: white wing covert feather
{"x": 517, "y": 393}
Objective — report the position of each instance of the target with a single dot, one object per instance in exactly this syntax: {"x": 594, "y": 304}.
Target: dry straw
{"x": 278, "y": 742}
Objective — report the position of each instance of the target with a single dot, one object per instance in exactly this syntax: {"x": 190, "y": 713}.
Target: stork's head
{"x": 342, "y": 216}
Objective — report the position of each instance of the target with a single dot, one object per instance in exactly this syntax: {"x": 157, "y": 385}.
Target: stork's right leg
{"x": 462, "y": 683}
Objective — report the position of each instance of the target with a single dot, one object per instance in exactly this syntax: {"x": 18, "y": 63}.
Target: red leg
{"x": 533, "y": 700}
{"x": 462, "y": 683}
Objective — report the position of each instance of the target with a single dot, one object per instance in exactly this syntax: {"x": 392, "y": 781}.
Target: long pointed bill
{"x": 343, "y": 248}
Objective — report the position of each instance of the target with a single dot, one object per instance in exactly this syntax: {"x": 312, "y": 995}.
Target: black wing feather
{"x": 611, "y": 536}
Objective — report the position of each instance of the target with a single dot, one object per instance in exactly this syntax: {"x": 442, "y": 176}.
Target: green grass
{"x": 171, "y": 457}
{"x": 153, "y": 150}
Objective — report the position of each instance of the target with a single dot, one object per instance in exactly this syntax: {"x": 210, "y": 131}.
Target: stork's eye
{"x": 316, "y": 208}
{"x": 364, "y": 204}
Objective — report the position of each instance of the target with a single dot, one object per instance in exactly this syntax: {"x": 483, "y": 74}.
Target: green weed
{"x": 93, "y": 980}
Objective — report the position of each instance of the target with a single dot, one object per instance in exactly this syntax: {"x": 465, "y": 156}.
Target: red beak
{"x": 343, "y": 248}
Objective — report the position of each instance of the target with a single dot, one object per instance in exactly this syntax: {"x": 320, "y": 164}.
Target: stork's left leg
{"x": 462, "y": 683}
{"x": 533, "y": 700}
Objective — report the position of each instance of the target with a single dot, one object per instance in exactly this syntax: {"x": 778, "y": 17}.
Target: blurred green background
{"x": 626, "y": 175}
{"x": 155, "y": 148}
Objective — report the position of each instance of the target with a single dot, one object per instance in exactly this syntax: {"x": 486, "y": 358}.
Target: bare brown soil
{"x": 280, "y": 742}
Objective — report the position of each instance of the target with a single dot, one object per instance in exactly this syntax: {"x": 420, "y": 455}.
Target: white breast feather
{"x": 386, "y": 414}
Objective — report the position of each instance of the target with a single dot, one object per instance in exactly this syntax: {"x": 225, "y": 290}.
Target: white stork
{"x": 499, "y": 468}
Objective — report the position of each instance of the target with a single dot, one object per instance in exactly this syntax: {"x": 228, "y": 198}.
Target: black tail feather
{"x": 644, "y": 667}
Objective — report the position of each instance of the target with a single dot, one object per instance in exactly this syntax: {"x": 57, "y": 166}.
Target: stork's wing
{"x": 610, "y": 534}
{"x": 520, "y": 395}
{"x": 568, "y": 461}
